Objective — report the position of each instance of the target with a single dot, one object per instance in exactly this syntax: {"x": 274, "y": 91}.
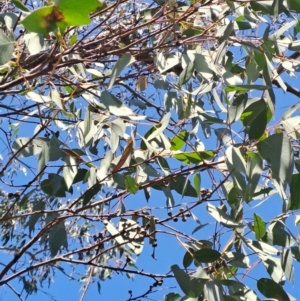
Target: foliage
{"x": 121, "y": 118}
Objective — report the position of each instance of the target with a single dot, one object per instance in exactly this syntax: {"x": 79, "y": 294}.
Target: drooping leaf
{"x": 57, "y": 234}
{"x": 214, "y": 291}
{"x": 287, "y": 264}
{"x": 236, "y": 166}
{"x": 259, "y": 226}
{"x": 222, "y": 217}
{"x": 197, "y": 183}
{"x": 278, "y": 152}
{"x": 186, "y": 74}
{"x": 127, "y": 152}
{"x": 188, "y": 258}
{"x": 254, "y": 169}
{"x": 295, "y": 192}
{"x": 237, "y": 107}
{"x": 162, "y": 126}
{"x": 191, "y": 286}
{"x": 69, "y": 170}
{"x": 122, "y": 63}
{"x": 273, "y": 266}
{"x": 37, "y": 206}
{"x": 6, "y": 47}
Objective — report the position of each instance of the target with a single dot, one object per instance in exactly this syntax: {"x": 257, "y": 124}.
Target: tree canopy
{"x": 129, "y": 125}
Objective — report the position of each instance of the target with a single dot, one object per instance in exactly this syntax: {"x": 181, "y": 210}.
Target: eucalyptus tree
{"x": 121, "y": 118}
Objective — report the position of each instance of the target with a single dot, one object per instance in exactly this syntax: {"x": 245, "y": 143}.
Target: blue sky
{"x": 169, "y": 250}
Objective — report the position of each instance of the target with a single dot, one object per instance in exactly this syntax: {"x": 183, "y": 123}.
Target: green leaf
{"x": 270, "y": 289}
{"x": 207, "y": 255}
{"x": 238, "y": 259}
{"x": 116, "y": 107}
{"x": 20, "y": 5}
{"x": 133, "y": 241}
{"x": 254, "y": 169}
{"x": 152, "y": 230}
{"x": 70, "y": 170}
{"x": 171, "y": 297}
{"x": 43, "y": 158}
{"x": 294, "y": 5}
{"x": 222, "y": 217}
{"x": 259, "y": 226}
{"x": 90, "y": 193}
{"x": 161, "y": 84}
{"x": 115, "y": 233}
{"x": 126, "y": 60}
{"x": 291, "y": 126}
{"x": 236, "y": 166}
{"x": 191, "y": 286}
{"x": 37, "y": 206}
{"x": 194, "y": 157}
{"x": 278, "y": 152}
{"x": 33, "y": 146}
{"x": 245, "y": 88}
{"x": 55, "y": 185}
{"x": 6, "y": 47}
{"x": 270, "y": 95}
{"x": 182, "y": 185}
{"x": 131, "y": 185}
{"x": 255, "y": 116}
{"x": 233, "y": 196}
{"x": 161, "y": 127}
{"x": 296, "y": 252}
{"x": 55, "y": 96}
{"x": 278, "y": 236}
{"x": 252, "y": 72}
{"x": 179, "y": 140}
{"x": 186, "y": 74}
{"x": 76, "y": 12}
{"x": 197, "y": 184}
{"x": 57, "y": 235}
{"x": 188, "y": 258}
{"x": 295, "y": 192}
{"x": 287, "y": 264}
{"x": 62, "y": 14}
{"x": 204, "y": 66}
{"x": 166, "y": 64}
{"x": 261, "y": 7}
{"x": 214, "y": 291}
{"x": 40, "y": 20}
{"x": 273, "y": 266}
{"x": 237, "y": 107}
